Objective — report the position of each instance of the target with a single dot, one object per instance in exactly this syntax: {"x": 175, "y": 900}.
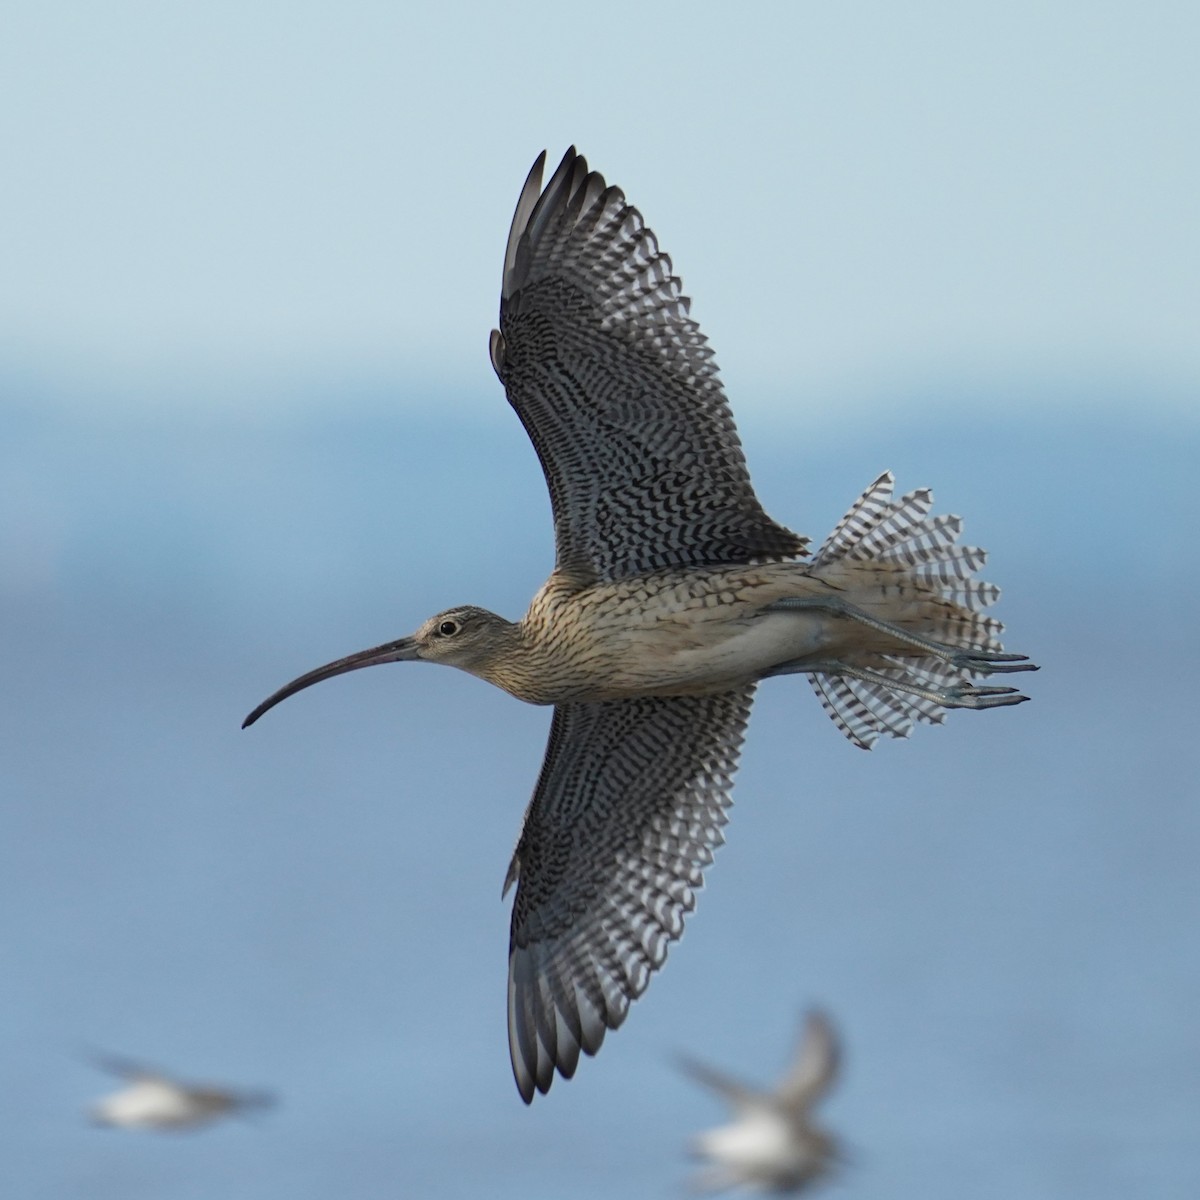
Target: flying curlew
{"x": 673, "y": 593}
{"x": 772, "y": 1143}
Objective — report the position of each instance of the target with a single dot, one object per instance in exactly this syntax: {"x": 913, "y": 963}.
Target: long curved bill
{"x": 404, "y": 650}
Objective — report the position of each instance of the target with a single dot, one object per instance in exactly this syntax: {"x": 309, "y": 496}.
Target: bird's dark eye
{"x": 448, "y": 628}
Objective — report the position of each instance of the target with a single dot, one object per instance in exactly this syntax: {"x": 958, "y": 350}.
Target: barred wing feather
{"x": 626, "y": 815}
{"x": 617, "y": 388}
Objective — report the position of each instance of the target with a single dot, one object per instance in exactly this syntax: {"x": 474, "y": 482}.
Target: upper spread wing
{"x": 618, "y": 390}
{"x": 815, "y": 1066}
{"x": 126, "y": 1068}
{"x": 625, "y": 817}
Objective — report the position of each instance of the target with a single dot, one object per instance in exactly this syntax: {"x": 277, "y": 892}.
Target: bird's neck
{"x": 525, "y": 656}
{"x": 512, "y": 662}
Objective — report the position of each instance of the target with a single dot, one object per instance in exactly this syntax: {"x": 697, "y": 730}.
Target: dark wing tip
{"x": 571, "y": 184}
{"x": 526, "y": 202}
{"x": 550, "y": 1024}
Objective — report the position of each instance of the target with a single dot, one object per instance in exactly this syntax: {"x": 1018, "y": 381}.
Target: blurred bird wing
{"x": 737, "y": 1094}
{"x": 213, "y": 1098}
{"x": 128, "y": 1068}
{"x": 625, "y": 817}
{"x": 617, "y": 389}
{"x": 815, "y": 1066}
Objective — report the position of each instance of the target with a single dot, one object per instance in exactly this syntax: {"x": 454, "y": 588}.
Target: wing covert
{"x": 625, "y": 817}
{"x": 618, "y": 391}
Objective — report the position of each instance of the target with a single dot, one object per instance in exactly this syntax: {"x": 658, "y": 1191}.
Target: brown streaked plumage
{"x": 673, "y": 594}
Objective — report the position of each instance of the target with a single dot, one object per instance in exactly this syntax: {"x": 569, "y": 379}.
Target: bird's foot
{"x": 967, "y": 695}
{"x": 990, "y": 662}
{"x": 976, "y": 661}
{"x": 960, "y": 695}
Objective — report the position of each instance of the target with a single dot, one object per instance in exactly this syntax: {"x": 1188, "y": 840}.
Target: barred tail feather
{"x": 864, "y": 515}
{"x": 900, "y": 534}
{"x": 902, "y": 523}
{"x": 866, "y": 711}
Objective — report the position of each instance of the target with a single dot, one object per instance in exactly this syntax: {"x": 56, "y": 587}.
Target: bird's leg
{"x": 977, "y": 661}
{"x": 961, "y": 695}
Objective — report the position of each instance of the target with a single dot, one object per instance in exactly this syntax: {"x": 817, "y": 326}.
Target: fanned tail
{"x": 924, "y": 550}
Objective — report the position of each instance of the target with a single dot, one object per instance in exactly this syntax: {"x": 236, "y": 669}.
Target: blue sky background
{"x": 250, "y": 256}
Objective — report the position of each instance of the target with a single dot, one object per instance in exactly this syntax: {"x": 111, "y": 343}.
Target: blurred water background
{"x": 247, "y": 425}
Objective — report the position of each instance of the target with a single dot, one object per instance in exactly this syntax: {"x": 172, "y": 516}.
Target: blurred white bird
{"x": 772, "y": 1144}
{"x": 153, "y": 1100}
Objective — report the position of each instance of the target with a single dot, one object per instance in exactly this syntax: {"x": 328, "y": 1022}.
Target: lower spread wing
{"x": 625, "y": 817}
{"x": 617, "y": 388}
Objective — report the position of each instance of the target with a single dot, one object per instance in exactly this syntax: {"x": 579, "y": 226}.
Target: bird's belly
{"x": 684, "y": 658}
{"x": 144, "y": 1104}
{"x": 745, "y": 649}
{"x": 761, "y": 1144}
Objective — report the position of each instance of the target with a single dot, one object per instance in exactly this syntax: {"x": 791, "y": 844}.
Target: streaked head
{"x": 469, "y": 638}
